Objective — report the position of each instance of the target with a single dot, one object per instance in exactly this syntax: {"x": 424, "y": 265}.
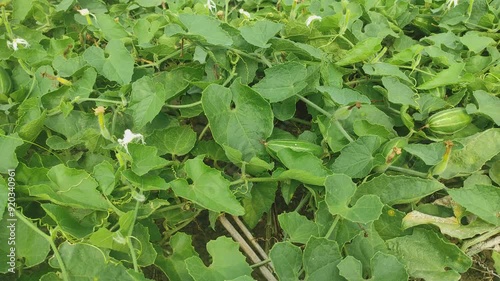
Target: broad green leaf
{"x": 227, "y": 262}
{"x": 238, "y": 118}
{"x": 366, "y": 128}
{"x": 389, "y": 224}
{"x": 481, "y": 200}
{"x": 398, "y": 92}
{"x": 339, "y": 191}
{"x": 331, "y": 134}
{"x": 145, "y": 182}
{"x": 387, "y": 267}
{"x": 384, "y": 69}
{"x": 475, "y": 42}
{"x": 372, "y": 114}
{"x": 87, "y": 262}
{"x": 21, "y": 9}
{"x": 141, "y": 241}
{"x": 110, "y": 28}
{"x": 287, "y": 261}
{"x": 145, "y": 30}
{"x": 207, "y": 28}
{"x": 303, "y": 51}
{"x": 356, "y": 159}
{"x": 343, "y": 96}
{"x": 494, "y": 172}
{"x": 145, "y": 158}
{"x": 298, "y": 227}
{"x": 321, "y": 257}
{"x": 76, "y": 222}
{"x": 365, "y": 245}
{"x": 4, "y": 197}
{"x": 175, "y": 81}
{"x": 429, "y": 257}
{"x": 448, "y": 76}
{"x": 70, "y": 187}
{"x": 363, "y": 50}
{"x": 449, "y": 225}
{"x": 488, "y": 105}
{"x": 209, "y": 189}
{"x": 398, "y": 189}
{"x": 351, "y": 269}
{"x": 8, "y": 145}
{"x": 173, "y": 265}
{"x": 282, "y": 81}
{"x": 431, "y": 154}
{"x": 477, "y": 149}
{"x": 146, "y": 100}
{"x": 30, "y": 246}
{"x": 117, "y": 66}
{"x": 302, "y": 166}
{"x": 174, "y": 140}
{"x": 104, "y": 173}
{"x": 259, "y": 33}
{"x": 262, "y": 197}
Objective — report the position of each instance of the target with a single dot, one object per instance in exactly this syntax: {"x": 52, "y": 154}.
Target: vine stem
{"x": 183, "y": 105}
{"x": 129, "y": 241}
{"x": 332, "y": 227}
{"x": 245, "y": 247}
{"x": 51, "y": 242}
{"x": 329, "y": 115}
{"x": 408, "y": 172}
{"x": 255, "y": 180}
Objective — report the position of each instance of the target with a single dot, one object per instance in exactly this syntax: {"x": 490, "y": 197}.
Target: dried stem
{"x": 246, "y": 248}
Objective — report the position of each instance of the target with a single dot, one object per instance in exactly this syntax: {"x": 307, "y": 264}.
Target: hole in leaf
{"x": 232, "y": 106}
{"x": 464, "y": 221}
{"x": 190, "y": 181}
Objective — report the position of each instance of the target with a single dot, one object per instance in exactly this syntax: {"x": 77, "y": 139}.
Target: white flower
{"x": 244, "y": 13}
{"x": 17, "y": 41}
{"x": 86, "y": 12}
{"x": 211, "y": 6}
{"x": 128, "y": 137}
{"x": 453, "y": 3}
{"x": 312, "y": 18}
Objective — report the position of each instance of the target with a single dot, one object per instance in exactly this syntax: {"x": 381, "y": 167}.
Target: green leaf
{"x": 145, "y": 159}
{"x": 363, "y": 50}
{"x": 4, "y": 197}
{"x": 481, "y": 200}
{"x": 238, "y": 118}
{"x": 302, "y": 166}
{"x": 287, "y": 261}
{"x": 70, "y": 187}
{"x": 476, "y": 42}
{"x": 111, "y": 29}
{"x": 356, "y": 159}
{"x": 227, "y": 262}
{"x": 351, "y": 269}
{"x": 261, "y": 199}
{"x": 145, "y": 182}
{"x": 385, "y": 69}
{"x": 146, "y": 100}
{"x": 259, "y": 33}
{"x": 174, "y": 266}
{"x": 104, "y": 173}
{"x": 450, "y": 226}
{"x": 343, "y": 96}
{"x": 298, "y": 227}
{"x": 29, "y": 245}
{"x": 282, "y": 81}
{"x": 398, "y": 189}
{"x": 488, "y": 105}
{"x": 387, "y": 267}
{"x": 398, "y": 92}
{"x": 76, "y": 222}
{"x": 448, "y": 76}
{"x": 117, "y": 66}
{"x": 389, "y": 223}
{"x": 209, "y": 189}
{"x": 477, "y": 149}
{"x": 429, "y": 257}
{"x": 321, "y": 257}
{"x": 431, "y": 154}
{"x": 331, "y": 134}
{"x": 174, "y": 140}
{"x": 8, "y": 145}
{"x": 207, "y": 28}
{"x": 339, "y": 191}
{"x": 87, "y": 262}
